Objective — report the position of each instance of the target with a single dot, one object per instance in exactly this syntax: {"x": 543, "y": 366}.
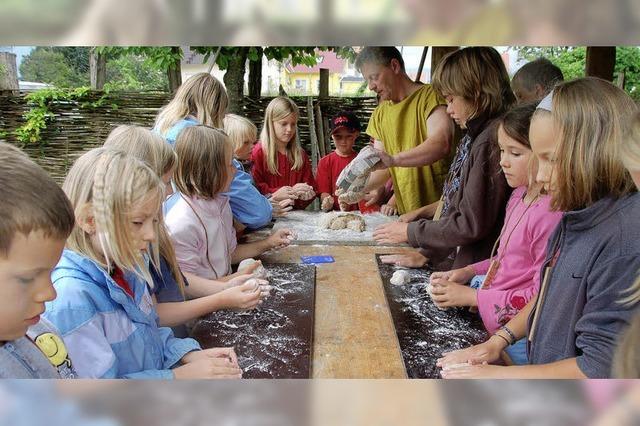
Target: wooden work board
{"x": 273, "y": 341}
{"x": 424, "y": 330}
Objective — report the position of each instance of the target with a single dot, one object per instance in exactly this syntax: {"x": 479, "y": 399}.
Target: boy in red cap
{"x": 345, "y": 129}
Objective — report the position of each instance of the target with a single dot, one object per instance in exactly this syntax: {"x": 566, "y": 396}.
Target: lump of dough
{"x": 326, "y": 219}
{"x": 245, "y": 263}
{"x": 338, "y": 220}
{"x": 400, "y": 277}
{"x": 356, "y": 225}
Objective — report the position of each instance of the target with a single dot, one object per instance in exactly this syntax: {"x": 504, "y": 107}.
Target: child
{"x": 281, "y": 168}
{"x": 592, "y": 256}
{"x": 243, "y": 135}
{"x": 475, "y": 85}
{"x": 202, "y": 99}
{"x": 103, "y": 309}
{"x": 345, "y": 129}
{"x": 513, "y": 274}
{"x": 200, "y": 224}
{"x": 627, "y": 359}
{"x": 34, "y": 225}
{"x": 168, "y": 283}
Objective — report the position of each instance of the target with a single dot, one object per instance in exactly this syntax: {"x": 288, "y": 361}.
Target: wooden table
{"x": 354, "y": 336}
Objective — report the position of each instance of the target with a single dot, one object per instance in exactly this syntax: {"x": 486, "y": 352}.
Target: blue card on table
{"x": 317, "y": 259}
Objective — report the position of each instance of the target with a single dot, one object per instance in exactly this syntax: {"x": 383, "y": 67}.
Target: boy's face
{"x": 25, "y": 281}
{"x": 344, "y": 139}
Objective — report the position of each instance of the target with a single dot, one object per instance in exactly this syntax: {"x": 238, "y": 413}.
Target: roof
{"x": 326, "y": 60}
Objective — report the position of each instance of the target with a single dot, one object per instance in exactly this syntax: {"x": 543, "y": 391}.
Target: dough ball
{"x": 246, "y": 263}
{"x": 400, "y": 277}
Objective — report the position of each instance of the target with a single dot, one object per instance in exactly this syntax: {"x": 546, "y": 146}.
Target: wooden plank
{"x": 354, "y": 335}
{"x": 600, "y": 62}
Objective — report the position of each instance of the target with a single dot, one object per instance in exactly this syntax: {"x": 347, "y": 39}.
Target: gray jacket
{"x": 25, "y": 358}
{"x": 578, "y": 313}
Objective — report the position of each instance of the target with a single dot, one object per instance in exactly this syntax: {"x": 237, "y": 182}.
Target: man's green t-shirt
{"x": 402, "y": 126}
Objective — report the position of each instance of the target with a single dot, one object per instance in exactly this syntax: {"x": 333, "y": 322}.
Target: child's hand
{"x": 208, "y": 368}
{"x": 281, "y": 208}
{"x": 460, "y": 276}
{"x": 476, "y": 371}
{"x": 304, "y": 191}
{"x": 446, "y": 294}
{"x": 327, "y": 203}
{"x": 284, "y": 193}
{"x": 246, "y": 273}
{"x": 488, "y": 351}
{"x": 409, "y": 260}
{"x": 388, "y": 210}
{"x": 244, "y": 296}
{"x": 225, "y": 353}
{"x": 280, "y": 238}
{"x": 391, "y": 233}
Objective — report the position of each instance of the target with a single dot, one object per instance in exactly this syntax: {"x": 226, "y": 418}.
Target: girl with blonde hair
{"x": 627, "y": 359}
{"x": 104, "y": 309}
{"x": 201, "y": 224}
{"x": 168, "y": 282}
{"x": 592, "y": 256}
{"x": 281, "y": 168}
{"x": 202, "y": 99}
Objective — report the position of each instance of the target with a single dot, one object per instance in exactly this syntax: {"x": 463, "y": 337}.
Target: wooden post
{"x": 8, "y": 74}
{"x": 621, "y": 80}
{"x": 601, "y": 62}
{"x": 312, "y": 135}
{"x": 422, "y": 59}
{"x": 438, "y": 53}
{"x": 324, "y": 83}
{"x": 97, "y": 70}
{"x": 322, "y": 146}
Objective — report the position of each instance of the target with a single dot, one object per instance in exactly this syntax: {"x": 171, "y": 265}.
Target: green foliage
{"x": 572, "y": 62}
{"x": 38, "y": 117}
{"x": 59, "y": 66}
{"x": 134, "y": 72}
{"x": 161, "y": 58}
{"x": 3, "y": 70}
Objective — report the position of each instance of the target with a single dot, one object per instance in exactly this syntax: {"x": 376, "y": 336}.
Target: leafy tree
{"x": 134, "y": 72}
{"x": 49, "y": 66}
{"x": 572, "y": 62}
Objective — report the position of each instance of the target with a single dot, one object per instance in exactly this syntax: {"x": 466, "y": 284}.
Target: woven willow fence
{"x": 76, "y": 129}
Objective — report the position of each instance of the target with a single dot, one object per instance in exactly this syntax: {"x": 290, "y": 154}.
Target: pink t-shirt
{"x": 518, "y": 278}
{"x": 190, "y": 240}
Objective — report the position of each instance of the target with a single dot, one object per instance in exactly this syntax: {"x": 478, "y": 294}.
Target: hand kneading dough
{"x": 338, "y": 220}
{"x": 400, "y": 278}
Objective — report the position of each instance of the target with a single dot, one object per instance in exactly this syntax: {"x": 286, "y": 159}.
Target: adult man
{"x": 535, "y": 80}
{"x": 410, "y": 127}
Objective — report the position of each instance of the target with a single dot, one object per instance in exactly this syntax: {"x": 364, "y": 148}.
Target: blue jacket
{"x": 248, "y": 205}
{"x": 108, "y": 334}
{"x": 578, "y": 313}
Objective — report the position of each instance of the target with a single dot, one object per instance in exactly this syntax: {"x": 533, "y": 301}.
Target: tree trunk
{"x": 234, "y": 79}
{"x": 8, "y": 74}
{"x": 97, "y": 70}
{"x": 174, "y": 73}
{"x": 601, "y": 62}
{"x": 255, "y": 76}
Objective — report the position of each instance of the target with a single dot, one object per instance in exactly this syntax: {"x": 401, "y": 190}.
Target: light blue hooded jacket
{"x": 107, "y": 333}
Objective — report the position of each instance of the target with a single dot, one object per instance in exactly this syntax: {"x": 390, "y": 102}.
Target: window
{"x": 301, "y": 84}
